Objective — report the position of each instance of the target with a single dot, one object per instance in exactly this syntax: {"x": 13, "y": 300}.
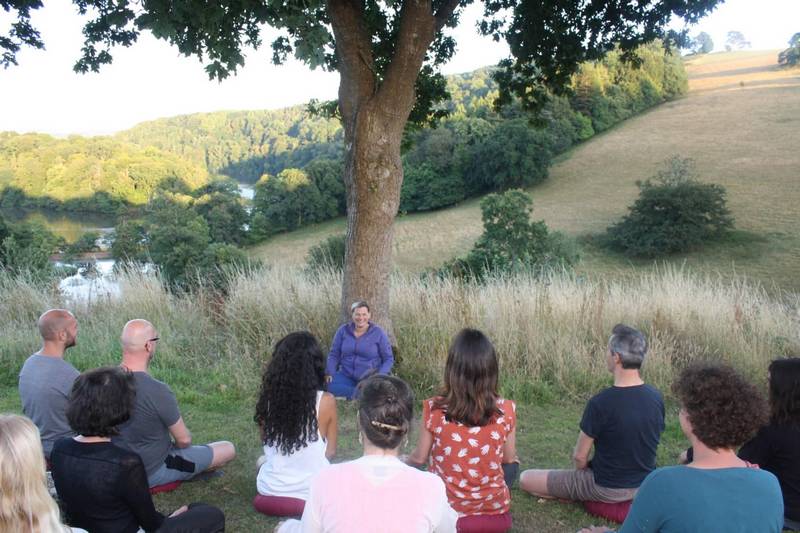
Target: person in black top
{"x": 776, "y": 447}
{"x": 103, "y": 487}
{"x": 623, "y": 423}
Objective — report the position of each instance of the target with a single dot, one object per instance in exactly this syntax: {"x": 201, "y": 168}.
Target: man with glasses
{"x": 623, "y": 423}
{"x": 156, "y": 430}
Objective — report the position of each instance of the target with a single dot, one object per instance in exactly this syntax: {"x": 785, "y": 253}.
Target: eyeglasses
{"x": 154, "y": 339}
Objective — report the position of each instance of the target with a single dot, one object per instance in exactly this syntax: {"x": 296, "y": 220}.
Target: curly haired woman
{"x": 717, "y": 491}
{"x": 297, "y": 422}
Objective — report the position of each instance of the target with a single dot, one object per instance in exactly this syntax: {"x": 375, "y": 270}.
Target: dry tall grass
{"x": 550, "y": 333}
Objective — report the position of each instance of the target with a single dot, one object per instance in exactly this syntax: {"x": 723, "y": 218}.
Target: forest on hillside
{"x": 295, "y": 158}
{"x": 88, "y": 174}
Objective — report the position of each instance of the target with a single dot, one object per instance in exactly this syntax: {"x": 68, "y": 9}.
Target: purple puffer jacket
{"x": 355, "y": 357}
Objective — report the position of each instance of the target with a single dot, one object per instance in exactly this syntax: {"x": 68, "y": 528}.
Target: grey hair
{"x": 357, "y": 304}
{"x": 629, "y": 344}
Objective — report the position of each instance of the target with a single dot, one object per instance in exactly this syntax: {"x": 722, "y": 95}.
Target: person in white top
{"x": 377, "y": 492}
{"x": 297, "y": 422}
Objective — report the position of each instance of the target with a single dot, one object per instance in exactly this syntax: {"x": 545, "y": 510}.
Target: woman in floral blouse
{"x": 468, "y": 436}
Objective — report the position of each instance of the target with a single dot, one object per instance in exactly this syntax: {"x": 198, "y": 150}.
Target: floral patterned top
{"x": 469, "y": 459}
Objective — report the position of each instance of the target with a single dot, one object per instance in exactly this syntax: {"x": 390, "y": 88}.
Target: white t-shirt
{"x": 290, "y": 475}
{"x": 375, "y": 493}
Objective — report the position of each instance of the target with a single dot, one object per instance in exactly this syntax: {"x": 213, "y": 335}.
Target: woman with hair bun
{"x": 377, "y": 492}
{"x": 298, "y": 425}
{"x": 25, "y": 504}
{"x": 776, "y": 447}
{"x": 468, "y": 436}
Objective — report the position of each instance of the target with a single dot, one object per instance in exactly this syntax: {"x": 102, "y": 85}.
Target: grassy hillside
{"x": 740, "y": 122}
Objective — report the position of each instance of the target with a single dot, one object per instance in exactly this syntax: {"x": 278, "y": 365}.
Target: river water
{"x": 96, "y": 280}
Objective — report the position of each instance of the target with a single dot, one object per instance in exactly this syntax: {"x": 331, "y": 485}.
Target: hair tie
{"x": 385, "y": 426}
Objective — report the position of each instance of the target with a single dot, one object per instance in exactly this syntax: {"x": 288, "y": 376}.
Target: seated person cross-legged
{"x": 378, "y": 492}
{"x": 103, "y": 487}
{"x": 717, "y": 491}
{"x": 623, "y": 423}
{"x": 297, "y": 421}
{"x": 156, "y": 430}
{"x": 359, "y": 350}
{"x": 468, "y": 436}
{"x": 776, "y": 447}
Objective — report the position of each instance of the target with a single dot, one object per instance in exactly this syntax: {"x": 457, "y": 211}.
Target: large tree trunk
{"x": 374, "y": 111}
{"x": 373, "y": 175}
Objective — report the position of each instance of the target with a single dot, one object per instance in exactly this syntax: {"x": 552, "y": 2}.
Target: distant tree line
{"x": 244, "y": 145}
{"x": 88, "y": 174}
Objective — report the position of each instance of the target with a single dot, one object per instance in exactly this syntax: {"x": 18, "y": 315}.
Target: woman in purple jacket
{"x": 359, "y": 350}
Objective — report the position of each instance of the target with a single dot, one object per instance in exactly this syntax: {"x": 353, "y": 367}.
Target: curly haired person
{"x": 298, "y": 425}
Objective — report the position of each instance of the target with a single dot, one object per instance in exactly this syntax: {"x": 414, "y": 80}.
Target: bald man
{"x": 156, "y": 430}
{"x": 45, "y": 380}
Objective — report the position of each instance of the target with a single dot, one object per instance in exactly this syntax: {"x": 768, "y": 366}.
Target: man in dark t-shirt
{"x": 624, "y": 424}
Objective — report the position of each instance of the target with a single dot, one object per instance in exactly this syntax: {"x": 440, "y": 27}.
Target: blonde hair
{"x": 25, "y": 504}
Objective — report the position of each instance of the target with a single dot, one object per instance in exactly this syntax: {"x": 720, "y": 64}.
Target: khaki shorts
{"x": 579, "y": 485}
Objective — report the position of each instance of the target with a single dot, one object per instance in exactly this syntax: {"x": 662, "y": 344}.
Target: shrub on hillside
{"x": 674, "y": 213}
{"x": 327, "y": 255}
{"x": 511, "y": 242}
{"x": 791, "y": 56}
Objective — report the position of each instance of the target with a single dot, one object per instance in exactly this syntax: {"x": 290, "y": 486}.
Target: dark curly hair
{"x": 286, "y": 409}
{"x": 784, "y": 391}
{"x": 725, "y": 410}
{"x": 101, "y": 400}
{"x": 385, "y": 409}
{"x": 469, "y": 393}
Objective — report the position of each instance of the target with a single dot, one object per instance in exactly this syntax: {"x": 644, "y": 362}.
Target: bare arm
{"x": 328, "y": 423}
{"x": 421, "y": 453}
{"x": 180, "y": 434}
{"x": 582, "y": 448}
{"x": 510, "y": 448}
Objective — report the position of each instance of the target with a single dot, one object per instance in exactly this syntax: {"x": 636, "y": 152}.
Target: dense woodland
{"x": 88, "y": 174}
{"x": 295, "y": 158}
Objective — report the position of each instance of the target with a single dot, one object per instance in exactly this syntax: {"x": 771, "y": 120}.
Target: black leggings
{"x": 200, "y": 518}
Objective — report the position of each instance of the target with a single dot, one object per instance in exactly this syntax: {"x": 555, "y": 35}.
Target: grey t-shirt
{"x": 147, "y": 431}
{"x": 44, "y": 386}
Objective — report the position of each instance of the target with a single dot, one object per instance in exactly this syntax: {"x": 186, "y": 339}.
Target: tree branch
{"x": 417, "y": 30}
{"x": 444, "y": 13}
{"x": 354, "y": 53}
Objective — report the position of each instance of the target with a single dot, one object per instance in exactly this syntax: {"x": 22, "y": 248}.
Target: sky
{"x": 151, "y": 79}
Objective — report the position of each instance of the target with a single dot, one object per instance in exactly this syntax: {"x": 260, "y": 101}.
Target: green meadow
{"x": 550, "y": 335}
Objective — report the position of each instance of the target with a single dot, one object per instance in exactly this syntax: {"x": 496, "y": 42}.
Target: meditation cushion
{"x": 615, "y": 512}
{"x": 278, "y": 505}
{"x": 481, "y": 523}
{"x": 166, "y": 487}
